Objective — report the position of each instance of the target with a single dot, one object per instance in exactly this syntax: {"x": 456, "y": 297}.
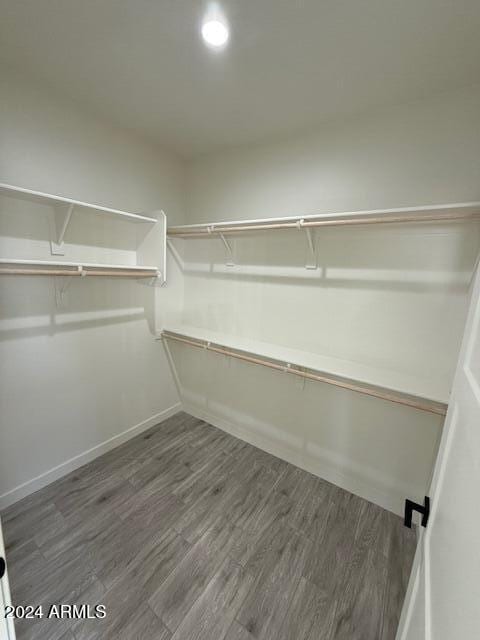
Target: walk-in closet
{"x": 239, "y": 320}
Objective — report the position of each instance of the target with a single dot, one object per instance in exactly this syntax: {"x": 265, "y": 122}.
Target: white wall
{"x": 76, "y": 377}
{"x": 389, "y": 297}
{"x": 423, "y": 153}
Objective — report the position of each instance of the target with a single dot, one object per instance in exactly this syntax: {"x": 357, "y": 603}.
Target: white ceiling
{"x": 290, "y": 64}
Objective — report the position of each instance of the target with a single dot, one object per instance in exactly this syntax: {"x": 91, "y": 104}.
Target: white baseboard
{"x": 25, "y": 489}
{"x": 354, "y": 479}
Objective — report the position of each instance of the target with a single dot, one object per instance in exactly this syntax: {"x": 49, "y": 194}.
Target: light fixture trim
{"x": 215, "y": 33}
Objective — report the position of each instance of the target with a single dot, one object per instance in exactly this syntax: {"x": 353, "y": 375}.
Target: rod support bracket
{"x": 311, "y": 262}
{"x": 230, "y": 262}
{"x": 300, "y": 380}
{"x": 62, "y": 285}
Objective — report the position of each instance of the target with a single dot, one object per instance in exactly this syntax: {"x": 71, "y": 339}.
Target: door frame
{"x": 420, "y": 574}
{"x": 7, "y": 628}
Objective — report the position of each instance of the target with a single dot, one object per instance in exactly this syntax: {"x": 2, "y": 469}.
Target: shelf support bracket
{"x": 230, "y": 262}
{"x": 177, "y": 257}
{"x": 311, "y": 262}
{"x": 61, "y": 219}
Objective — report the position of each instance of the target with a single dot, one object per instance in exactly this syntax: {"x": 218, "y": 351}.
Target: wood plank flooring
{"x": 186, "y": 533}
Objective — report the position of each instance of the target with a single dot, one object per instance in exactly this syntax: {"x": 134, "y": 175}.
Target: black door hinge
{"x": 3, "y": 566}
{"x": 411, "y": 506}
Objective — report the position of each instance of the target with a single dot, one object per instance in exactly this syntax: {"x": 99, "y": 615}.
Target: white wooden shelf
{"x": 420, "y": 393}
{"x": 463, "y": 211}
{"x": 60, "y": 268}
{"x": 150, "y": 242}
{"x": 47, "y": 198}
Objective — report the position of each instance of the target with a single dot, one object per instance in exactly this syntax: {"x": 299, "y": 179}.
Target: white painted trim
{"x": 7, "y": 628}
{"x": 358, "y": 481}
{"x": 410, "y": 596}
{"x": 79, "y": 460}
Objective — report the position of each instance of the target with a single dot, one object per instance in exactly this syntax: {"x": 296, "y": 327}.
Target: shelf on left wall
{"x": 150, "y": 241}
{"x": 60, "y": 201}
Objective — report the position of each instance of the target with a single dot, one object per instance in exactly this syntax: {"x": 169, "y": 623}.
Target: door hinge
{"x": 411, "y": 506}
{"x": 3, "y": 567}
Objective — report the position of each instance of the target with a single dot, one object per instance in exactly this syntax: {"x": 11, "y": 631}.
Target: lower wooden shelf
{"x": 376, "y": 382}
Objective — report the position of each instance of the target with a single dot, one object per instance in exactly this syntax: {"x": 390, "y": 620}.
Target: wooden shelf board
{"x": 46, "y": 198}
{"x": 409, "y": 389}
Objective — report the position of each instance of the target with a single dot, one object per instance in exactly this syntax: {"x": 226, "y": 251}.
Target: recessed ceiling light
{"x": 215, "y": 33}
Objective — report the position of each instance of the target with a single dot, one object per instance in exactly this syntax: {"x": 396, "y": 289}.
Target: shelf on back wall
{"x": 464, "y": 211}
{"x": 60, "y": 268}
{"x": 420, "y": 393}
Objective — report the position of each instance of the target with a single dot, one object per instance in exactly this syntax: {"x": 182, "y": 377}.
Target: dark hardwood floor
{"x": 188, "y": 533}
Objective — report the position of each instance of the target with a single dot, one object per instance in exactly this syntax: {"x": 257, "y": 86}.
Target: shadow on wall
{"x": 33, "y": 306}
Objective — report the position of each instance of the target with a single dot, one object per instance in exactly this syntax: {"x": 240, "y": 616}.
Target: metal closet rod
{"x": 379, "y": 392}
{"x": 421, "y": 216}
